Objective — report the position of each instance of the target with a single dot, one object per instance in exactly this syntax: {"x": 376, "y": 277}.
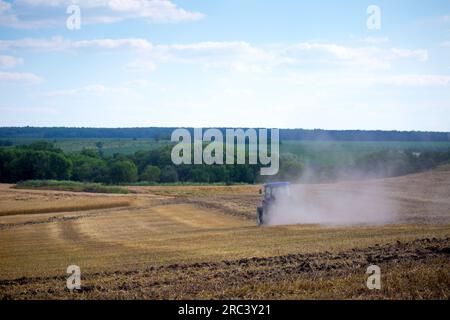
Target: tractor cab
{"x": 271, "y": 193}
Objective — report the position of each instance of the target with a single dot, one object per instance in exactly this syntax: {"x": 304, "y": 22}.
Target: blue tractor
{"x": 273, "y": 192}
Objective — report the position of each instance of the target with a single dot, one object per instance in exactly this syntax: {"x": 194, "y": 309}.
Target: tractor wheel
{"x": 260, "y": 215}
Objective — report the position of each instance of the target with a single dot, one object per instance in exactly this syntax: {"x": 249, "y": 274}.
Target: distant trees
{"x": 123, "y": 171}
{"x": 99, "y": 146}
{"x": 361, "y": 135}
{"x": 169, "y": 174}
{"x": 59, "y": 167}
{"x": 42, "y": 146}
{"x": 6, "y": 156}
{"x": 89, "y": 168}
{"x": 290, "y": 169}
{"x": 151, "y": 174}
{"x": 38, "y": 161}
{"x": 42, "y": 160}
{"x": 388, "y": 163}
{"x": 6, "y": 143}
{"x": 165, "y": 133}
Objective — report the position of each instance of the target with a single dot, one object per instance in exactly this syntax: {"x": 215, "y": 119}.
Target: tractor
{"x": 272, "y": 193}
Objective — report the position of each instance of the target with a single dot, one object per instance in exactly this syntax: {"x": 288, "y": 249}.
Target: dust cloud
{"x": 340, "y": 203}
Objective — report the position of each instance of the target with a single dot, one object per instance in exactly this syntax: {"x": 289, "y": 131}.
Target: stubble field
{"x": 202, "y": 242}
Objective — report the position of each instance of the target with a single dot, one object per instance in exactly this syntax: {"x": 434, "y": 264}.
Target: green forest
{"x": 311, "y": 162}
{"x": 163, "y": 133}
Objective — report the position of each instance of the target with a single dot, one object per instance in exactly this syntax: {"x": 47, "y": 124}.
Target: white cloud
{"x": 112, "y": 43}
{"x": 9, "y": 61}
{"x": 445, "y": 44}
{"x": 9, "y": 17}
{"x": 59, "y": 43}
{"x": 351, "y": 79}
{"x": 416, "y": 80}
{"x": 242, "y": 57}
{"x": 142, "y": 65}
{"x": 93, "y": 89}
{"x": 375, "y": 40}
{"x": 138, "y": 83}
{"x": 4, "y": 6}
{"x": 369, "y": 57}
{"x": 421, "y": 55}
{"x": 235, "y": 56}
{"x": 20, "y": 77}
{"x": 38, "y": 110}
{"x": 217, "y": 46}
{"x": 48, "y": 13}
{"x": 238, "y": 55}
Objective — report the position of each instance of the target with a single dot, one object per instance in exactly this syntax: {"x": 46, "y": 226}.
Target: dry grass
{"x": 197, "y": 190}
{"x": 23, "y": 202}
{"x": 67, "y": 208}
{"x": 196, "y": 242}
{"x": 173, "y": 234}
{"x": 418, "y": 269}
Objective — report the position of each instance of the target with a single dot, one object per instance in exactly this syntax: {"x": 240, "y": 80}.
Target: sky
{"x": 249, "y": 63}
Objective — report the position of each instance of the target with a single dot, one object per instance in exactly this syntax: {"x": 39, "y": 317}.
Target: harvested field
{"x": 202, "y": 242}
{"x": 322, "y": 275}
{"x": 16, "y": 202}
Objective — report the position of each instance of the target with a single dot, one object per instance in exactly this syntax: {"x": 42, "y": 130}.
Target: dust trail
{"x": 342, "y": 203}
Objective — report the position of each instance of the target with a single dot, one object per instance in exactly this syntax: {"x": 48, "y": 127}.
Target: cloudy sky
{"x": 232, "y": 63}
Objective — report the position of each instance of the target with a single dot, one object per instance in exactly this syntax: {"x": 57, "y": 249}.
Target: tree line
{"x": 42, "y": 160}
{"x": 379, "y": 164}
{"x": 164, "y": 133}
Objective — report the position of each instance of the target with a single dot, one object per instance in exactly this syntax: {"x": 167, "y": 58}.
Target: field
{"x": 202, "y": 242}
{"x": 345, "y": 152}
{"x": 74, "y": 186}
{"x": 110, "y": 145}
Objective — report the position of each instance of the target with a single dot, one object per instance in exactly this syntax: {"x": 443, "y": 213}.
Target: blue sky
{"x": 287, "y": 64}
